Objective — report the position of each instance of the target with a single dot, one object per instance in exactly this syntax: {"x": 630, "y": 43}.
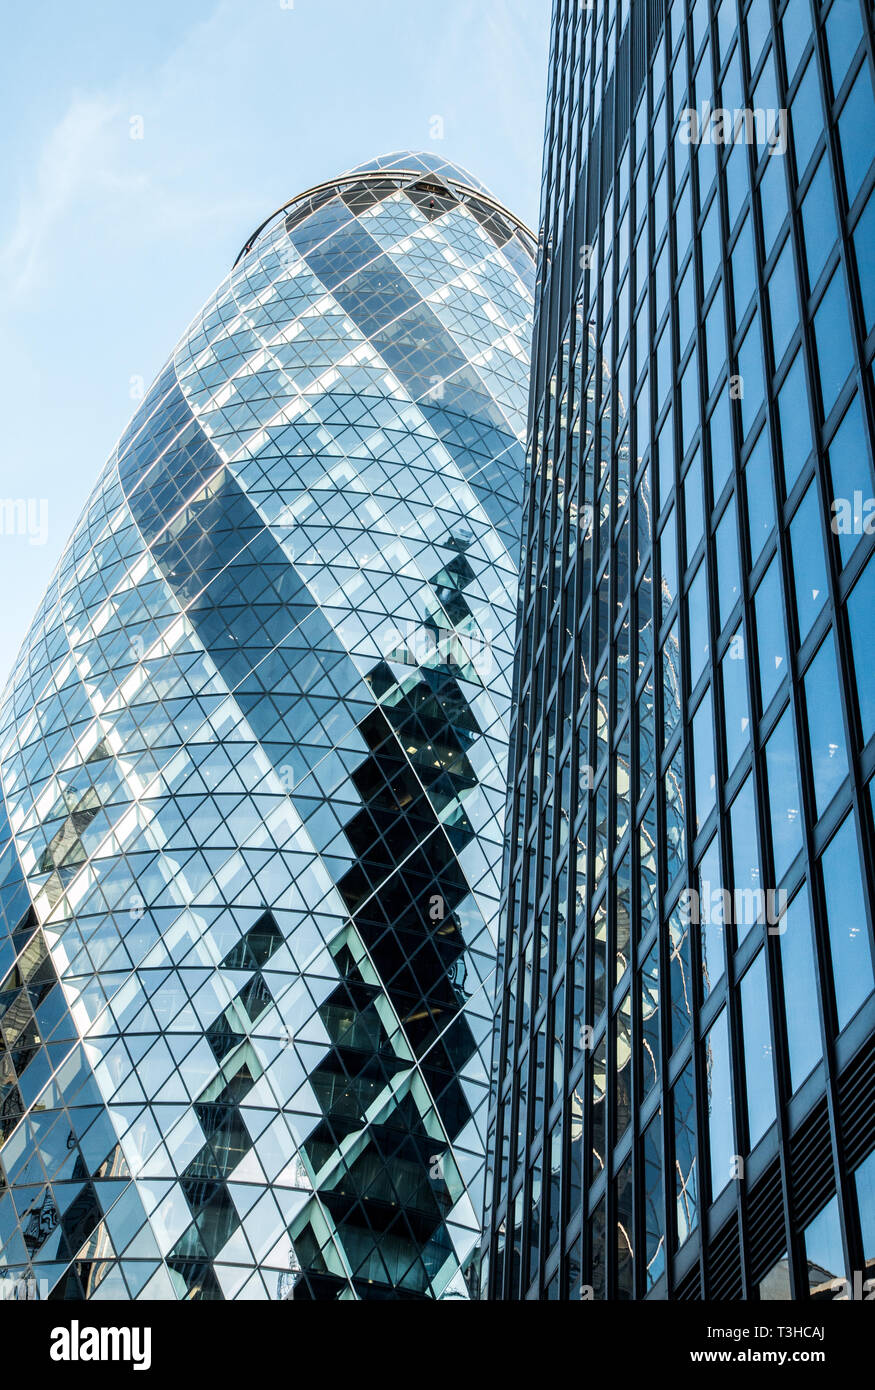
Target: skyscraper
{"x": 253, "y": 760}
{"x": 684, "y": 1063}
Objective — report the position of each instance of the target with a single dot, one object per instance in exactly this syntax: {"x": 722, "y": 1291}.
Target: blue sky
{"x": 110, "y": 245}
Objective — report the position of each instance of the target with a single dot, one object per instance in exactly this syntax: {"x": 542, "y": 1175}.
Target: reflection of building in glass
{"x": 253, "y": 766}
{"x": 682, "y": 1102}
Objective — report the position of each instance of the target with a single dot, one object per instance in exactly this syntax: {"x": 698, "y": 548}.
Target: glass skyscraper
{"x": 253, "y": 759}
{"x": 684, "y": 1062}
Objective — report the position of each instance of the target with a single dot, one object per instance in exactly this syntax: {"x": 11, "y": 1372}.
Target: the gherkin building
{"x": 253, "y": 759}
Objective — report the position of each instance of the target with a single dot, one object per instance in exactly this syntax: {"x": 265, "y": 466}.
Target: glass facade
{"x": 253, "y": 760}
{"x": 684, "y": 1058}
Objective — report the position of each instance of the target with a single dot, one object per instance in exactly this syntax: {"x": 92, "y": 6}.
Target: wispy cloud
{"x": 88, "y": 165}
{"x": 73, "y": 162}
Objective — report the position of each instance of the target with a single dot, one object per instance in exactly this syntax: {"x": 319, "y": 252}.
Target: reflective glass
{"x": 807, "y": 116}
{"x": 796, "y": 29}
{"x": 852, "y": 509}
{"x": 773, "y": 200}
{"x": 864, "y": 1181}
{"x": 832, "y": 333}
{"x": 720, "y": 430}
{"x": 771, "y": 642}
{"x": 693, "y": 505}
{"x": 818, "y": 221}
{"x": 254, "y": 764}
{"x": 856, "y": 133}
{"x": 654, "y": 1255}
{"x": 784, "y": 800}
{"x": 735, "y": 700}
{"x": 727, "y": 563}
{"x": 799, "y": 971}
{"x": 864, "y": 246}
{"x": 760, "y": 499}
{"x": 705, "y": 777}
{"x": 783, "y": 302}
{"x": 843, "y": 33}
{"x": 861, "y": 606}
{"x": 809, "y": 564}
{"x": 750, "y": 369}
{"x": 823, "y": 1250}
{"x": 685, "y": 1166}
{"x": 826, "y": 734}
{"x": 758, "y": 1065}
{"x": 745, "y": 858}
{"x": 795, "y": 423}
{"x": 697, "y": 617}
{"x": 846, "y": 918}
{"x": 712, "y": 925}
{"x": 721, "y": 1131}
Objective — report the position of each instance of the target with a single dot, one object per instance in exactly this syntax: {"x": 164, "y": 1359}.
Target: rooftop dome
{"x": 428, "y": 163}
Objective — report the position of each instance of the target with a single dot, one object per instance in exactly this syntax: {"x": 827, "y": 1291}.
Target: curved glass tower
{"x": 253, "y": 760}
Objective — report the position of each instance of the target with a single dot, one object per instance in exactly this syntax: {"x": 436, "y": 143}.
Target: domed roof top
{"x": 427, "y": 163}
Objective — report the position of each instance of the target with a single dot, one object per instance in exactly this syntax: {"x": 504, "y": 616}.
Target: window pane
{"x": 681, "y": 977}
{"x": 851, "y": 512}
{"x": 686, "y": 1172}
{"x": 729, "y": 584}
{"x": 795, "y": 424}
{"x": 864, "y": 1179}
{"x": 760, "y": 1085}
{"x": 826, "y": 732}
{"x": 758, "y": 30}
{"x": 861, "y": 606}
{"x": 833, "y": 336}
{"x": 735, "y": 700}
{"x": 843, "y": 33}
{"x": 846, "y": 919}
{"x": 721, "y": 1132}
{"x": 823, "y": 1249}
{"x": 784, "y": 801}
{"x": 745, "y": 858}
{"x": 715, "y": 341}
{"x": 760, "y": 499}
{"x": 809, "y": 565}
{"x": 671, "y": 682}
{"x": 705, "y": 780}
{"x": 650, "y": 1021}
{"x": 799, "y": 967}
{"x": 697, "y": 616}
{"x": 857, "y": 133}
{"x": 710, "y": 244}
{"x": 796, "y": 26}
{"x": 864, "y": 244}
{"x": 625, "y": 1231}
{"x": 694, "y": 506}
{"x": 773, "y": 201}
{"x": 818, "y": 222}
{"x": 775, "y": 1287}
{"x": 807, "y": 116}
{"x": 711, "y": 925}
{"x": 668, "y": 558}
{"x": 720, "y": 431}
{"x": 772, "y": 648}
{"x": 743, "y": 266}
{"x": 750, "y": 368}
{"x": 783, "y": 306}
{"x": 654, "y": 1222}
